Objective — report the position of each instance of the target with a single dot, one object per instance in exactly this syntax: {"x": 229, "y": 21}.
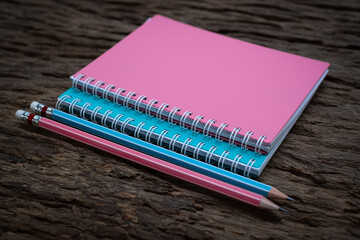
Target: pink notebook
{"x": 254, "y": 93}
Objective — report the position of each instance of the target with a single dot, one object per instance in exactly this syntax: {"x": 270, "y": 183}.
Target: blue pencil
{"x": 159, "y": 152}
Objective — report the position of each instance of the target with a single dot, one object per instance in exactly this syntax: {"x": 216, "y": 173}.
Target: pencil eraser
{"x": 19, "y": 114}
{"x": 33, "y": 106}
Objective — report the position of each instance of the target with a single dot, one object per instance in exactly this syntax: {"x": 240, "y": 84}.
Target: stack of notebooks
{"x": 223, "y": 99}
{"x": 216, "y": 99}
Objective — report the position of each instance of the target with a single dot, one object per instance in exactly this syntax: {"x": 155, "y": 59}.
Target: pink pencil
{"x": 149, "y": 161}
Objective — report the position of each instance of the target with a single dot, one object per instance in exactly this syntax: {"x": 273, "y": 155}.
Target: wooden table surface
{"x": 55, "y": 188}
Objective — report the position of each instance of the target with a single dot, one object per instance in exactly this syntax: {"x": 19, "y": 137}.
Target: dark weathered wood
{"x": 51, "y": 187}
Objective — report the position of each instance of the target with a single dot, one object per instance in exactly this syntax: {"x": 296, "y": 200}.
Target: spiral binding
{"x": 258, "y": 143}
{"x": 160, "y": 110}
{"x": 219, "y": 130}
{"x": 127, "y": 98}
{"x": 248, "y": 167}
{"x": 235, "y": 163}
{"x": 118, "y": 94}
{"x": 233, "y": 136}
{"x": 196, "y": 122}
{"x": 183, "y": 117}
{"x": 149, "y": 132}
{"x": 185, "y": 146}
{"x": 61, "y": 100}
{"x": 197, "y": 149}
{"x": 76, "y": 80}
{"x": 222, "y": 158}
{"x": 94, "y": 113}
{"x": 138, "y": 128}
{"x": 86, "y": 84}
{"x": 210, "y": 153}
{"x": 72, "y": 104}
{"x": 138, "y": 101}
{"x": 161, "y": 137}
{"x": 173, "y": 141}
{"x": 107, "y": 90}
{"x": 245, "y": 140}
{"x": 83, "y": 110}
{"x": 149, "y": 105}
{"x": 96, "y": 87}
{"x": 105, "y": 117}
{"x": 172, "y": 114}
{"x": 114, "y": 122}
{"x": 207, "y": 128}
{"x": 126, "y": 122}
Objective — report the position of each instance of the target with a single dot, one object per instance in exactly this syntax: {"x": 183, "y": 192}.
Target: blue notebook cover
{"x": 250, "y": 163}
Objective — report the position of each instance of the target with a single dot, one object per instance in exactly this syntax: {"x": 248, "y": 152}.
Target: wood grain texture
{"x": 55, "y": 188}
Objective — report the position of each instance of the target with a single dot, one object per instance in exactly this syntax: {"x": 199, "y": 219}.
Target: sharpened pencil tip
{"x": 283, "y": 210}
{"x": 291, "y": 199}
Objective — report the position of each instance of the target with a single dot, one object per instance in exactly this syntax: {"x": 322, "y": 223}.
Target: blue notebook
{"x": 147, "y": 126}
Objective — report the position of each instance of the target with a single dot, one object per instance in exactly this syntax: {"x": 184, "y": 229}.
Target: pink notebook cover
{"x": 235, "y": 82}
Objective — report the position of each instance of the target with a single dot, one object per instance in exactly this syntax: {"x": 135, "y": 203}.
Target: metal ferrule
{"x": 49, "y": 112}
{"x": 24, "y": 117}
{"x": 34, "y": 121}
{"x": 39, "y": 108}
